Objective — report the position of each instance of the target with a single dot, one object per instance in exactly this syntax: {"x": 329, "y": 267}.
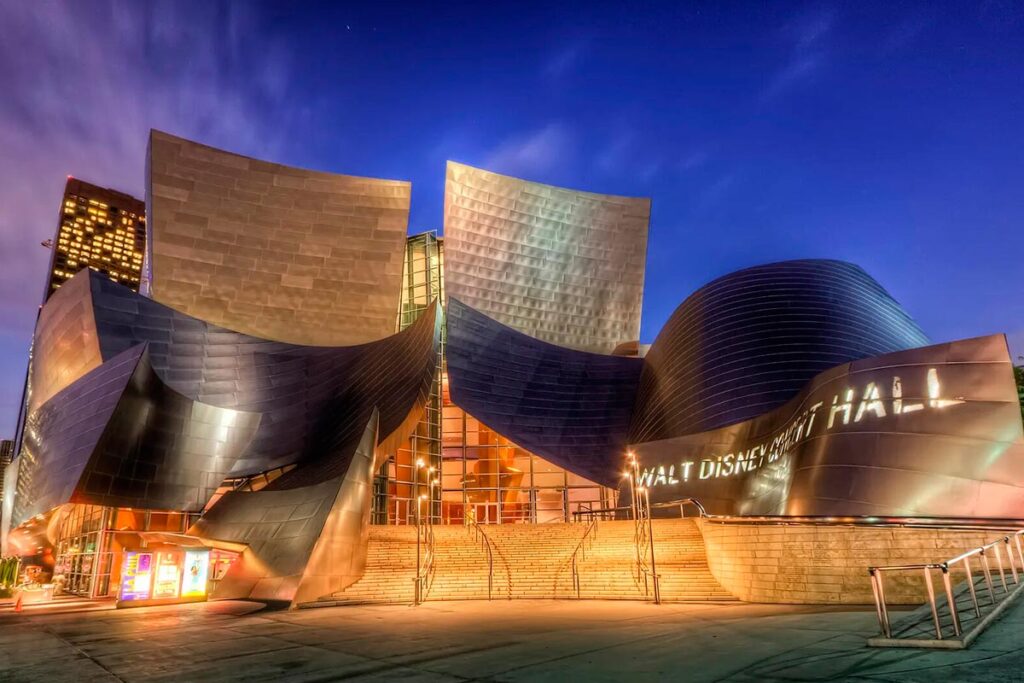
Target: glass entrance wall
{"x": 405, "y": 477}
{"x": 90, "y": 542}
{"x": 488, "y": 479}
{"x": 479, "y": 474}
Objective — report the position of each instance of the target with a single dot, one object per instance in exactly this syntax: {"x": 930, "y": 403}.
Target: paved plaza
{"x": 485, "y": 641}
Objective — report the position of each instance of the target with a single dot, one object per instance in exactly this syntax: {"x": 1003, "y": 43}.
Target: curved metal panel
{"x": 929, "y": 432}
{"x": 61, "y": 436}
{"x": 569, "y": 407}
{"x": 563, "y": 266}
{"x": 298, "y": 390}
{"x": 194, "y": 404}
{"x": 280, "y": 253}
{"x": 303, "y": 542}
{"x": 65, "y": 345}
{"x": 120, "y": 437}
{"x": 747, "y": 342}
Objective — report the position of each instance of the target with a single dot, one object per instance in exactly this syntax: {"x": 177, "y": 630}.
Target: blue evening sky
{"x": 888, "y": 134}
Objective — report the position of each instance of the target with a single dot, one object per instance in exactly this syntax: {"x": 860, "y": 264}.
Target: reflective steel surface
{"x": 277, "y": 252}
{"x": 178, "y": 405}
{"x": 563, "y": 266}
{"x": 929, "y": 432}
{"x": 570, "y": 407}
{"x": 746, "y": 343}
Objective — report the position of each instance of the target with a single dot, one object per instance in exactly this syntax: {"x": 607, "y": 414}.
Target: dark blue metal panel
{"x": 570, "y": 407}
{"x": 748, "y": 342}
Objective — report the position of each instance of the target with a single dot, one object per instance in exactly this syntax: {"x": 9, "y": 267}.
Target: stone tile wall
{"x": 808, "y": 564}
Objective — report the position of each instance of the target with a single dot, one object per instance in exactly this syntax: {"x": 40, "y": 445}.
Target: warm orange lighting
{"x": 419, "y": 462}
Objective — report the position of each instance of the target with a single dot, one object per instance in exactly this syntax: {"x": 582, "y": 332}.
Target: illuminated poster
{"x": 136, "y": 576}
{"x": 168, "y": 576}
{"x": 197, "y": 567}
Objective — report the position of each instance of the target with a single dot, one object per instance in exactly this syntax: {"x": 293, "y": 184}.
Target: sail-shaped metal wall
{"x": 277, "y": 252}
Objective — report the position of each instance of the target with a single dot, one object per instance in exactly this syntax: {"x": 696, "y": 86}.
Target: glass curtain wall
{"x": 408, "y": 475}
{"x": 91, "y": 540}
{"x": 479, "y": 474}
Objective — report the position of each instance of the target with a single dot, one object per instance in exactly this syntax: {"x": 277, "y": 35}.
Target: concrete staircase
{"x": 608, "y": 571}
{"x": 535, "y": 561}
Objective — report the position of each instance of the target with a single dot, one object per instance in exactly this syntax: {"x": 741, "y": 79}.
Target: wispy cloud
{"x": 618, "y": 152}
{"x": 534, "y": 152}
{"x": 84, "y": 82}
{"x": 808, "y": 52}
{"x": 694, "y": 159}
{"x": 565, "y": 60}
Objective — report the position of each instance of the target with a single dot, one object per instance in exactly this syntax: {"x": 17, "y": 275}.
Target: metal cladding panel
{"x": 65, "y": 346}
{"x": 570, "y": 407}
{"x": 930, "y": 432}
{"x": 280, "y": 253}
{"x": 61, "y": 437}
{"x": 303, "y": 542}
{"x": 299, "y": 391}
{"x": 120, "y": 437}
{"x": 193, "y": 404}
{"x": 747, "y": 342}
{"x": 163, "y": 450}
{"x": 562, "y": 266}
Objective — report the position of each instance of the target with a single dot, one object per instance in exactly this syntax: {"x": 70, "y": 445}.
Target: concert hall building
{"x": 297, "y": 380}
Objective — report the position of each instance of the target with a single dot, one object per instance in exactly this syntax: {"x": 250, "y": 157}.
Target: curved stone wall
{"x": 747, "y": 342}
{"x": 279, "y": 253}
{"x": 562, "y": 266}
{"x": 569, "y": 407}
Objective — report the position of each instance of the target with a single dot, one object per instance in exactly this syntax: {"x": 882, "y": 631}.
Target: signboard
{"x": 168, "y": 575}
{"x": 197, "y": 569}
{"x": 136, "y": 576}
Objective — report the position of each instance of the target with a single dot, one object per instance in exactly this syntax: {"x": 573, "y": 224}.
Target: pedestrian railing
{"x": 580, "y": 554}
{"x": 481, "y": 537}
{"x": 992, "y": 580}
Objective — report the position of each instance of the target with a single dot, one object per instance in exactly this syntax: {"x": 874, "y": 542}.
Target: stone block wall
{"x": 816, "y": 564}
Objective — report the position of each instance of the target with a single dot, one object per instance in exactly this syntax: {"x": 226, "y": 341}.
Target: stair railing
{"x": 643, "y": 535}
{"x": 480, "y": 536}
{"x": 580, "y": 554}
{"x": 424, "y": 536}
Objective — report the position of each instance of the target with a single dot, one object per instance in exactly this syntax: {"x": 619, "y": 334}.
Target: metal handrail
{"x": 581, "y": 553}
{"x": 680, "y": 503}
{"x": 489, "y": 546}
{"x": 424, "y": 571}
{"x": 995, "y": 547}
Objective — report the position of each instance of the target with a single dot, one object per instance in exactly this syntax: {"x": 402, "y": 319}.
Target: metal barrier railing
{"x": 601, "y": 513}
{"x": 480, "y": 536}
{"x": 580, "y": 553}
{"x": 424, "y": 566}
{"x": 424, "y": 535}
{"x": 1012, "y": 544}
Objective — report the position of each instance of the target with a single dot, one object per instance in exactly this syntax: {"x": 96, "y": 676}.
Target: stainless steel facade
{"x": 563, "y": 266}
{"x": 176, "y": 406}
{"x": 929, "y": 432}
{"x": 570, "y": 407}
{"x": 281, "y": 253}
{"x": 796, "y": 388}
{"x": 747, "y": 342}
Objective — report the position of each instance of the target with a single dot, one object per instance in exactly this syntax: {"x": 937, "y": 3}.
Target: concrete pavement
{"x": 486, "y": 641}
